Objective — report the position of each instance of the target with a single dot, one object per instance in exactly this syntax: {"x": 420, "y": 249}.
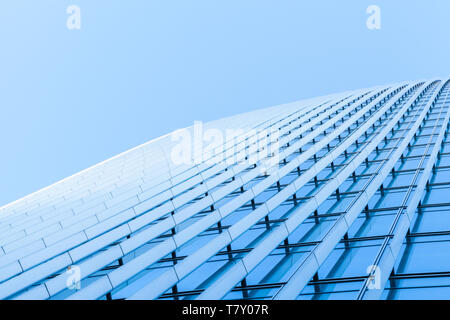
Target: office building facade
{"x": 339, "y": 197}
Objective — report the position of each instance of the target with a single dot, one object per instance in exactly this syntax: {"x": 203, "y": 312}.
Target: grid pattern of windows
{"x": 354, "y": 207}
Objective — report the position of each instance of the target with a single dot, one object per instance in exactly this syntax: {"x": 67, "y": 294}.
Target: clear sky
{"x": 138, "y": 69}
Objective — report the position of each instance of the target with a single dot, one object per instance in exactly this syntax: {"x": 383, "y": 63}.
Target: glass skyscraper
{"x": 345, "y": 196}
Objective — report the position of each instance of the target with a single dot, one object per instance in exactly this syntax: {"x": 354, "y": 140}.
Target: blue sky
{"x": 139, "y": 69}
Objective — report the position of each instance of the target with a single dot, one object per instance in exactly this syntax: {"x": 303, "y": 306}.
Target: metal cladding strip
{"x": 24, "y": 279}
{"x": 226, "y": 281}
{"x": 91, "y": 265}
{"x": 14, "y": 257}
{"x": 182, "y": 269}
{"x": 390, "y": 249}
{"x": 123, "y": 273}
{"x": 301, "y": 276}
